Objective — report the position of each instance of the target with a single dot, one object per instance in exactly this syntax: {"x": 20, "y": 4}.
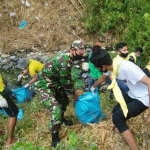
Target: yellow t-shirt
{"x": 1, "y": 84}
{"x": 34, "y": 67}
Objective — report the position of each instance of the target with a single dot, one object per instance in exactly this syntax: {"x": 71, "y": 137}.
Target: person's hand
{"x": 26, "y": 85}
{"x": 20, "y": 76}
{"x": 75, "y": 96}
{"x": 92, "y": 89}
{"x": 85, "y": 66}
{"x": 3, "y": 102}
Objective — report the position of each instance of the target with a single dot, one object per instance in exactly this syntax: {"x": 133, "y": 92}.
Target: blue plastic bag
{"x": 88, "y": 108}
{"x": 19, "y": 116}
{"x": 22, "y": 24}
{"x": 22, "y": 94}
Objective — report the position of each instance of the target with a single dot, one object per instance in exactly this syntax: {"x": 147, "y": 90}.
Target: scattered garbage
{"x": 46, "y": 4}
{"x": 22, "y": 94}
{"x": 12, "y": 14}
{"x": 26, "y": 3}
{"x": 37, "y": 18}
{"x": 23, "y": 24}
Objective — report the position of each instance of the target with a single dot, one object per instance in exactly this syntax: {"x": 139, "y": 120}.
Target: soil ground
{"x": 51, "y": 25}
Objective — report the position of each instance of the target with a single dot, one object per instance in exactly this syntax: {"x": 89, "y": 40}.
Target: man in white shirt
{"x": 138, "y": 97}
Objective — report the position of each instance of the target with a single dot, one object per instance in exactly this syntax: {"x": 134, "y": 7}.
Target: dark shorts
{"x": 12, "y": 109}
{"x": 135, "y": 107}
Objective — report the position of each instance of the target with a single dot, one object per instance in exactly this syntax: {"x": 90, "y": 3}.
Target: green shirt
{"x": 94, "y": 72}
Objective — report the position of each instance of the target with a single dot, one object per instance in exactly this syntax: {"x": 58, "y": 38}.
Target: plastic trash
{"x": 23, "y": 24}
{"x": 2, "y": 111}
{"x": 37, "y": 18}
{"x": 88, "y": 108}
{"x": 26, "y": 3}
{"x": 12, "y": 14}
{"x": 20, "y": 114}
{"x": 22, "y": 94}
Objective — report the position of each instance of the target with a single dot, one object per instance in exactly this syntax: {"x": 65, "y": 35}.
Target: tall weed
{"x": 127, "y": 20}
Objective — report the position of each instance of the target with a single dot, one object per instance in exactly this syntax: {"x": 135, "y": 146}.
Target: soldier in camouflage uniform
{"x": 55, "y": 85}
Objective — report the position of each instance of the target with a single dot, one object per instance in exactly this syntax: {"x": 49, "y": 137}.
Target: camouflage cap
{"x": 78, "y": 44}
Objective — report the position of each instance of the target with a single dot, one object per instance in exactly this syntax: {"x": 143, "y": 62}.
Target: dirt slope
{"x": 51, "y": 24}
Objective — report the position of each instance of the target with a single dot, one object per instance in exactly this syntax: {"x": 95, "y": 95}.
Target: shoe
{"x": 67, "y": 122}
{"x": 55, "y": 139}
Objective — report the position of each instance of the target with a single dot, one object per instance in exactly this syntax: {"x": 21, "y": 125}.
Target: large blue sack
{"x": 22, "y": 94}
{"x": 88, "y": 108}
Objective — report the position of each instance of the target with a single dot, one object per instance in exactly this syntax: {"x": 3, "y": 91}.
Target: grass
{"x": 34, "y": 134}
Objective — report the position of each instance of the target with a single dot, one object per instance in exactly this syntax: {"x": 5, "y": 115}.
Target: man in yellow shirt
{"x": 132, "y": 56}
{"x": 12, "y": 110}
{"x": 33, "y": 67}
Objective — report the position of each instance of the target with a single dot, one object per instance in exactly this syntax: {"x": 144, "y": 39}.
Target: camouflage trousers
{"x": 56, "y": 100}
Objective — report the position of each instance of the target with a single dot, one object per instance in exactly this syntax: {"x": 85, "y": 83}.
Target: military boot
{"x": 55, "y": 139}
{"x": 65, "y": 121}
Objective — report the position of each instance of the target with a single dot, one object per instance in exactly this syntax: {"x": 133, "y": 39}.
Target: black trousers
{"x": 135, "y": 107}
{"x": 12, "y": 109}
{"x": 146, "y": 72}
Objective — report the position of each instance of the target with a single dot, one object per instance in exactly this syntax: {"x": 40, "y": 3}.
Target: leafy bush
{"x": 26, "y": 146}
{"x": 76, "y": 143}
{"x": 127, "y": 20}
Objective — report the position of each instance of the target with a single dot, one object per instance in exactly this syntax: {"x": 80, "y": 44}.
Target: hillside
{"x": 51, "y": 25}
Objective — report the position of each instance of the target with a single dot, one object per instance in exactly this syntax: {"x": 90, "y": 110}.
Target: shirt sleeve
{"x": 32, "y": 68}
{"x": 65, "y": 75}
{"x": 133, "y": 73}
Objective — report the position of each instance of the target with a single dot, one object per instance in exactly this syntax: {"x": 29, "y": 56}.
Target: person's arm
{"x": 65, "y": 76}
{"x": 100, "y": 80}
{"x": 146, "y": 80}
{"x": 34, "y": 78}
{"x": 25, "y": 71}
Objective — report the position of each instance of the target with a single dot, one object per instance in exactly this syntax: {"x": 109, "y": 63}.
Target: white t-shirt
{"x": 130, "y": 74}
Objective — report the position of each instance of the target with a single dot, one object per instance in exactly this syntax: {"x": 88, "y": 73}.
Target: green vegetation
{"x": 126, "y": 20}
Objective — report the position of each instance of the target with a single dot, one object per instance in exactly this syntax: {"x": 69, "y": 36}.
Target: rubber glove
{"x": 92, "y": 89}
{"x": 26, "y": 85}
{"x": 20, "y": 76}
{"x": 3, "y": 102}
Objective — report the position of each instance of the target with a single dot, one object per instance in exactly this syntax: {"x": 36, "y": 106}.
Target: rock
{"x": 7, "y": 66}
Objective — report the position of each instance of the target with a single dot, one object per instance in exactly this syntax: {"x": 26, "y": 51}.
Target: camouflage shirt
{"x": 57, "y": 72}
